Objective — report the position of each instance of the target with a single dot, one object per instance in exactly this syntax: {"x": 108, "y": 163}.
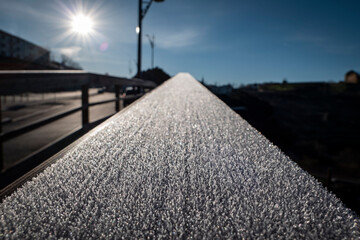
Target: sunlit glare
{"x": 82, "y": 24}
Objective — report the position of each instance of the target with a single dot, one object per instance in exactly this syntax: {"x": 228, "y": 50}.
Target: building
{"x": 221, "y": 90}
{"x": 352, "y": 77}
{"x": 14, "y": 47}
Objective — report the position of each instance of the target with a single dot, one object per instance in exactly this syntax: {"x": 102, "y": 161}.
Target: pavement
{"x": 26, "y": 110}
{"x": 23, "y": 113}
{"x": 177, "y": 164}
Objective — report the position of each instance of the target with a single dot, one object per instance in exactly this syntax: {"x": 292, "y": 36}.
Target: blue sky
{"x": 230, "y": 41}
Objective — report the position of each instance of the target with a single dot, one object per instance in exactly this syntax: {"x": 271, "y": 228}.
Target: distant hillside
{"x": 156, "y": 75}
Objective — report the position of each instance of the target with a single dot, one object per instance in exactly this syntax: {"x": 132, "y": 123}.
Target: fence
{"x": 17, "y": 82}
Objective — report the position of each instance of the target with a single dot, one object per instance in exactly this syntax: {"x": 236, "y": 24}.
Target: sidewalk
{"x": 19, "y": 115}
{"x": 19, "y": 107}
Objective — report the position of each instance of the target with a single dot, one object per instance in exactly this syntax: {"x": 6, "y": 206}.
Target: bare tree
{"x": 66, "y": 61}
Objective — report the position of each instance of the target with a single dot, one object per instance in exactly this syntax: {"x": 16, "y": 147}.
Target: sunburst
{"x": 82, "y": 24}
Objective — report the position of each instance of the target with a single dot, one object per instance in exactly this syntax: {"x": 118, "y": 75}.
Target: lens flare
{"x": 104, "y": 46}
{"x": 82, "y": 24}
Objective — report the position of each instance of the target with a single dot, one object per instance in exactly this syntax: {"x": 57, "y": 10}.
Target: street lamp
{"x": 142, "y": 13}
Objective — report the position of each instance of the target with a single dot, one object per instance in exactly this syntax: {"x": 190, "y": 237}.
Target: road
{"x": 19, "y": 147}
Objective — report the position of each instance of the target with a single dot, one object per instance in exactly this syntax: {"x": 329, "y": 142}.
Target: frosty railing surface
{"x": 178, "y": 163}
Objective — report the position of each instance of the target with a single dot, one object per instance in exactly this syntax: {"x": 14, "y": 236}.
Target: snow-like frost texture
{"x": 177, "y": 164}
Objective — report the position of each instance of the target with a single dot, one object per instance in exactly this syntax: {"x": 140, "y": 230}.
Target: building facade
{"x": 14, "y": 47}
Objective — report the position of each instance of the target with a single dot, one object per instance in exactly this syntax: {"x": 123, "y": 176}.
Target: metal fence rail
{"x": 17, "y": 82}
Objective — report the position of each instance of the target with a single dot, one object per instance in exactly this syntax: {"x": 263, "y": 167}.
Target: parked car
{"x": 101, "y": 90}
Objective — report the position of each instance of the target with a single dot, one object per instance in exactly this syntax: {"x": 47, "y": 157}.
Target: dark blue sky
{"x": 231, "y": 41}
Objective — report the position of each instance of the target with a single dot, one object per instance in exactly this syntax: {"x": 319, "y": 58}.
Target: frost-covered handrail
{"x": 177, "y": 164}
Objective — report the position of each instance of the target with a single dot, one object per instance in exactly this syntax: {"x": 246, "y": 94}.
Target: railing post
{"x": 85, "y": 104}
{"x": 1, "y": 143}
{"x": 329, "y": 178}
{"x": 117, "y": 102}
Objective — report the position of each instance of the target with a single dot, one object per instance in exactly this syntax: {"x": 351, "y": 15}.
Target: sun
{"x": 82, "y": 24}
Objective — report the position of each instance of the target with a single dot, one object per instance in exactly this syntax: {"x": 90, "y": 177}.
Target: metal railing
{"x": 17, "y": 82}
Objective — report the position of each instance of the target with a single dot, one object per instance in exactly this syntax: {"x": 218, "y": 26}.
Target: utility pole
{"x": 139, "y": 32}
{"x": 142, "y": 13}
{"x": 152, "y": 44}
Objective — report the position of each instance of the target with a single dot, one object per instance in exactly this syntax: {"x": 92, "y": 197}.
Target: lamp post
{"x": 152, "y": 45}
{"x": 142, "y": 13}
